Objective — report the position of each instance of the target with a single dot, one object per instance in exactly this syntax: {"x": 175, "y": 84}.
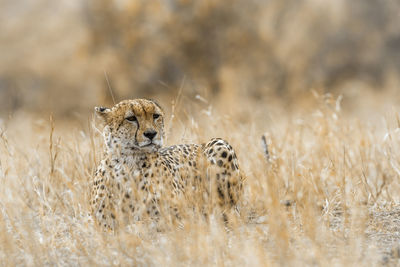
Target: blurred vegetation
{"x": 54, "y": 54}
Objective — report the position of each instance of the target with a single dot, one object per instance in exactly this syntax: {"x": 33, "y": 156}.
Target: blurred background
{"x": 54, "y": 54}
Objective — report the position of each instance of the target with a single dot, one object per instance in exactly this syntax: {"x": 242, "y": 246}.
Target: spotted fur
{"x": 137, "y": 174}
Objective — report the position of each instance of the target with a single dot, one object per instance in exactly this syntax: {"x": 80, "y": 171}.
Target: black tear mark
{"x": 137, "y": 129}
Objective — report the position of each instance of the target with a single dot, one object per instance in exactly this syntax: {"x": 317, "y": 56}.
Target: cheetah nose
{"x": 150, "y": 134}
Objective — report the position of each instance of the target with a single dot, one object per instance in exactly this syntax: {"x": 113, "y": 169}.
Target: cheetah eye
{"x": 131, "y": 118}
{"x": 156, "y": 116}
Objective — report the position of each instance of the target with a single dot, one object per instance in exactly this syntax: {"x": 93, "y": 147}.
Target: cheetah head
{"x": 133, "y": 126}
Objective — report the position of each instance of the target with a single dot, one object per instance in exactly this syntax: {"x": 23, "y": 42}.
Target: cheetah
{"x": 137, "y": 175}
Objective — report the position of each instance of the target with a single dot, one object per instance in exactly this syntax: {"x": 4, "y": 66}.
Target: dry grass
{"x": 327, "y": 196}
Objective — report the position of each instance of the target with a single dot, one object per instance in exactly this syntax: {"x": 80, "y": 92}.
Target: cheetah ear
{"x": 156, "y": 103}
{"x": 102, "y": 112}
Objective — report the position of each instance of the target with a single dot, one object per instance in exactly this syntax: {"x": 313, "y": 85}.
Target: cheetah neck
{"x": 132, "y": 160}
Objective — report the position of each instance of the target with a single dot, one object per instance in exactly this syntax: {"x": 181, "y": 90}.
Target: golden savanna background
{"x": 320, "y": 79}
